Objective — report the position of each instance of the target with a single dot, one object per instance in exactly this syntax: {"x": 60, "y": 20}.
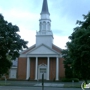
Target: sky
{"x": 26, "y": 14}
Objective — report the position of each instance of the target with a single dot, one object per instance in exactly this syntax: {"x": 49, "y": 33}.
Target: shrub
{"x": 70, "y": 80}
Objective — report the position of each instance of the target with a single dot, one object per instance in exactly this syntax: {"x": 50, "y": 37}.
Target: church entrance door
{"x": 42, "y": 70}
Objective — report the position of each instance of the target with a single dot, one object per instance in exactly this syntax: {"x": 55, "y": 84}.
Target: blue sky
{"x": 26, "y": 14}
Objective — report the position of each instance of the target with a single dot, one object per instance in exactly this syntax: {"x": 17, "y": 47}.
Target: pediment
{"x": 42, "y": 49}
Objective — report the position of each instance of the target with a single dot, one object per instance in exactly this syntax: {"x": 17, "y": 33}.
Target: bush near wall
{"x": 70, "y": 80}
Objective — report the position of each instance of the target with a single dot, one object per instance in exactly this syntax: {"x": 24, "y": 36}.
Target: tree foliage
{"x": 79, "y": 48}
{"x": 67, "y": 64}
{"x": 10, "y": 44}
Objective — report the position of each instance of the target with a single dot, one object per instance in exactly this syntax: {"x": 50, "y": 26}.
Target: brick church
{"x": 42, "y": 57}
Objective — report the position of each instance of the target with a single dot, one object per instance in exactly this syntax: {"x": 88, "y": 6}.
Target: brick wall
{"x": 52, "y": 68}
{"x": 62, "y": 69}
{"x": 22, "y": 66}
{"x": 42, "y": 61}
{"x": 32, "y": 68}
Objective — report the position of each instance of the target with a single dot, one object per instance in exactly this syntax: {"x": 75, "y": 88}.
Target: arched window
{"x": 48, "y": 26}
{"x": 44, "y": 25}
{"x": 40, "y": 26}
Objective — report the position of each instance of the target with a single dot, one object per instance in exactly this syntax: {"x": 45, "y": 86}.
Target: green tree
{"x": 79, "y": 48}
{"x": 10, "y": 44}
{"x": 67, "y": 63}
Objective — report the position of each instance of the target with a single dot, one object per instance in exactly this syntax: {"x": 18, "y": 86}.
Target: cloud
{"x": 26, "y": 15}
{"x": 75, "y": 8}
{"x": 60, "y": 41}
{"x": 22, "y": 18}
{"x": 28, "y": 35}
{"x": 62, "y": 25}
{"x": 0, "y": 9}
{"x": 16, "y": 14}
{"x": 22, "y": 14}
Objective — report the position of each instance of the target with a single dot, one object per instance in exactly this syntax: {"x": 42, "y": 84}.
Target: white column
{"x": 48, "y": 68}
{"x": 28, "y": 69}
{"x": 36, "y": 68}
{"x": 57, "y": 69}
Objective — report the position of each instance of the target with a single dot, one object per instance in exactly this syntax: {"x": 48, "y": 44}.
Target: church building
{"x": 43, "y": 57}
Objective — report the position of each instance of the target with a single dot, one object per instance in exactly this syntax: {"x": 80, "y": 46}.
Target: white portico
{"x": 42, "y": 51}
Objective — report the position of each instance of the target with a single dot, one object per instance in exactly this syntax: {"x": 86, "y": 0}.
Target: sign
{"x": 84, "y": 86}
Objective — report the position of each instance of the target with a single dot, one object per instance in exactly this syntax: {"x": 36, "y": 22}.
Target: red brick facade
{"x": 52, "y": 68}
{"x": 61, "y": 67}
{"x": 52, "y": 75}
{"x": 32, "y": 68}
{"x": 22, "y": 66}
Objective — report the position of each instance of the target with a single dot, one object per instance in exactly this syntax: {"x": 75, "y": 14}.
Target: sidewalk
{"x": 39, "y": 84}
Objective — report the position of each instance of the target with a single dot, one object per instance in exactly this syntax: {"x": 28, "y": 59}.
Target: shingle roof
{"x": 56, "y": 48}
{"x": 32, "y": 47}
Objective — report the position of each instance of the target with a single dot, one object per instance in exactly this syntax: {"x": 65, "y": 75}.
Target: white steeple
{"x": 45, "y": 22}
{"x": 44, "y": 35}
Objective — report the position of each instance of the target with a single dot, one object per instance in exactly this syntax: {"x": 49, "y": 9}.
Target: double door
{"x": 42, "y": 70}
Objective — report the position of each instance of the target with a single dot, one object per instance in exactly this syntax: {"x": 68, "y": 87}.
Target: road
{"x": 34, "y": 88}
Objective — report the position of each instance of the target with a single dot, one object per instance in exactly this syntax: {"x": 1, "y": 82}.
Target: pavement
{"x": 35, "y": 88}
{"x": 39, "y": 84}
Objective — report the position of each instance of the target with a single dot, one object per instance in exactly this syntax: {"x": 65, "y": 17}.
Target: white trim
{"x": 13, "y": 67}
{"x": 36, "y": 68}
{"x": 42, "y": 66}
{"x": 41, "y": 55}
{"x": 44, "y": 46}
{"x": 57, "y": 68}
{"x": 28, "y": 69}
{"x": 30, "y": 48}
{"x": 48, "y": 63}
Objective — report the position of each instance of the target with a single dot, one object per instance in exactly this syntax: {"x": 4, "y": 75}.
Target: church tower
{"x": 43, "y": 56}
{"x": 44, "y": 35}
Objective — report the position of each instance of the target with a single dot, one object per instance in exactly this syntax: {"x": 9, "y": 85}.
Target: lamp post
{"x": 43, "y": 81}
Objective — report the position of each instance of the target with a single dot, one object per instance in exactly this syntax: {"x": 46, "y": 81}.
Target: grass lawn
{"x": 72, "y": 85}
{"x": 3, "y": 83}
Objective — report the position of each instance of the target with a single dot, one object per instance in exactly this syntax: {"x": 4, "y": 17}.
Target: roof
{"x": 42, "y": 49}
{"x": 54, "y": 48}
{"x": 29, "y": 49}
{"x": 45, "y": 7}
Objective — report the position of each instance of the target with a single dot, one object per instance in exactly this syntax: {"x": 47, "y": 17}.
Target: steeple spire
{"x": 45, "y": 7}
{"x": 44, "y": 35}
{"x": 45, "y": 22}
